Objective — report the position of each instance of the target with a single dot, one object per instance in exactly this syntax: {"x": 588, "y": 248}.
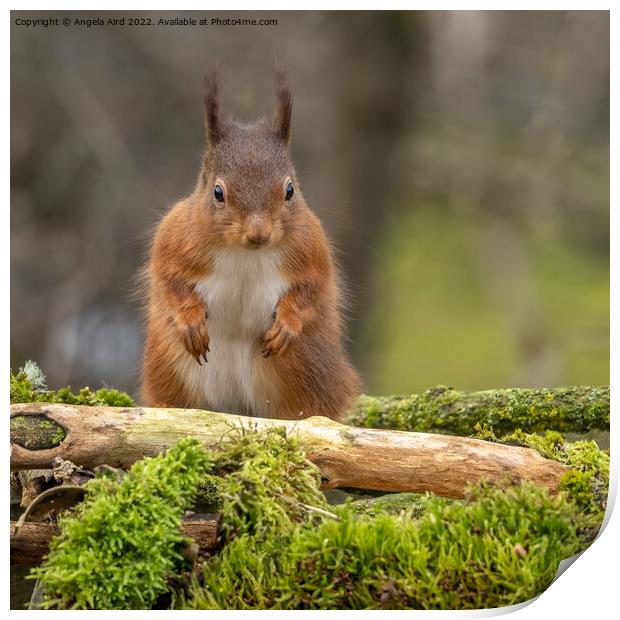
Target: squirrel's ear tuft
{"x": 212, "y": 109}
{"x": 285, "y": 106}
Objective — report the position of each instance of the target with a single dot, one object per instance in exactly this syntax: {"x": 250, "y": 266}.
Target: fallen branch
{"x": 577, "y": 409}
{"x": 347, "y": 457}
{"x": 32, "y": 540}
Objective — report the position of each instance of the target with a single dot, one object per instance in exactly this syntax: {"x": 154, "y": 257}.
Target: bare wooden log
{"x": 31, "y": 542}
{"x": 347, "y": 456}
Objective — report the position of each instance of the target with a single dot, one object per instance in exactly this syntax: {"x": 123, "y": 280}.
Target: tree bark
{"x": 382, "y": 460}
{"x": 32, "y": 540}
{"x": 578, "y": 409}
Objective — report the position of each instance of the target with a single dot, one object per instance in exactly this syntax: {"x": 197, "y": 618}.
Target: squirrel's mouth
{"x": 255, "y": 246}
{"x": 256, "y": 242}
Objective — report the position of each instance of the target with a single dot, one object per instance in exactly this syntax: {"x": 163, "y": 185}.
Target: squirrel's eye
{"x": 218, "y": 192}
{"x": 289, "y": 191}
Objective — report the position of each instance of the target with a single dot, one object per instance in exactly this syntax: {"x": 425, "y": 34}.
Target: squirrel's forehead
{"x": 257, "y": 157}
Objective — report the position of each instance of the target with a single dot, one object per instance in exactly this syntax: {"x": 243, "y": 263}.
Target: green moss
{"x": 268, "y": 482}
{"x": 21, "y": 388}
{"x": 591, "y": 464}
{"x": 442, "y": 409}
{"x": 209, "y": 493}
{"x": 27, "y": 386}
{"x": 484, "y": 431}
{"x": 102, "y": 397}
{"x": 550, "y": 445}
{"x": 457, "y": 555}
{"x": 578, "y": 485}
{"x": 414, "y": 504}
{"x": 124, "y": 541}
{"x": 405, "y": 551}
{"x": 58, "y": 436}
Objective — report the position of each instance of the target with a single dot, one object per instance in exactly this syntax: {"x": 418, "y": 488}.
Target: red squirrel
{"x": 243, "y": 309}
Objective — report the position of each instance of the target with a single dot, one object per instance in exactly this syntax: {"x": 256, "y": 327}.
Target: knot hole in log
{"x": 36, "y": 432}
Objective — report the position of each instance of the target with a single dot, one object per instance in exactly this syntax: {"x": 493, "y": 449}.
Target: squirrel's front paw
{"x": 286, "y": 327}
{"x": 192, "y": 326}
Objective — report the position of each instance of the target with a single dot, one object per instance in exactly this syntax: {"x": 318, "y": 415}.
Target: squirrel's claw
{"x": 278, "y": 339}
{"x": 200, "y": 357}
{"x": 195, "y": 337}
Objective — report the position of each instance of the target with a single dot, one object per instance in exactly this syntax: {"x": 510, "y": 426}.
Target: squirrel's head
{"x": 248, "y": 181}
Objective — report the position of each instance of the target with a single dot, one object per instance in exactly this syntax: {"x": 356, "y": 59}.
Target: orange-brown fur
{"x": 298, "y": 366}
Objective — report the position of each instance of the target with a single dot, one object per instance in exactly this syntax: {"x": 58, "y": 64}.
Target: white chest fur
{"x": 241, "y": 295}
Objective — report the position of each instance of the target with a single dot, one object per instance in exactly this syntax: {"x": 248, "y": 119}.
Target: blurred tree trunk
{"x": 377, "y": 99}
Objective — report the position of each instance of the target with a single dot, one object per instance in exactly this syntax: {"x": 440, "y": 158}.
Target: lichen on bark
{"x": 442, "y": 409}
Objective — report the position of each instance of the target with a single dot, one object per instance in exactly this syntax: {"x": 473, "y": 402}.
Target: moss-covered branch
{"x": 577, "y": 409}
{"x": 444, "y": 410}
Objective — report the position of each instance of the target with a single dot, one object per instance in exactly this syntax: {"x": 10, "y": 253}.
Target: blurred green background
{"x": 459, "y": 161}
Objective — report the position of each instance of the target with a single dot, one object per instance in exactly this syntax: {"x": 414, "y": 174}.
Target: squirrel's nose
{"x": 257, "y": 237}
{"x": 257, "y": 233}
